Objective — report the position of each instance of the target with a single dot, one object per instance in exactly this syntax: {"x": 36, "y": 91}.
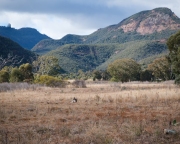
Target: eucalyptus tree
{"x": 173, "y": 44}
{"x": 160, "y": 68}
{"x": 124, "y": 70}
{"x": 46, "y": 65}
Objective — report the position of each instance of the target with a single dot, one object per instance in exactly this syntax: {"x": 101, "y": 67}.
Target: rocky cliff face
{"x": 152, "y": 21}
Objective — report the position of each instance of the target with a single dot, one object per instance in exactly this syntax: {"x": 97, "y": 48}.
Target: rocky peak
{"x": 148, "y": 22}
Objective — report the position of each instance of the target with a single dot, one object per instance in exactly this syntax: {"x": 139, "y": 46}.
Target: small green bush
{"x": 26, "y": 70}
{"x": 16, "y": 75}
{"x": 49, "y": 81}
{"x": 4, "y": 76}
{"x": 113, "y": 79}
{"x": 79, "y": 84}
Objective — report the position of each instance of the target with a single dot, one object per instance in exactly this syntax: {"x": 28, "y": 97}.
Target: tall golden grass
{"x": 106, "y": 113}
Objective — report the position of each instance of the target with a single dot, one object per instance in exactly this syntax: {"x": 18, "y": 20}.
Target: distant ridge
{"x": 7, "y": 46}
{"x": 26, "y": 37}
{"x": 156, "y": 24}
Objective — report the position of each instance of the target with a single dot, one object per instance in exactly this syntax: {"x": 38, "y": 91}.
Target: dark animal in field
{"x": 74, "y": 100}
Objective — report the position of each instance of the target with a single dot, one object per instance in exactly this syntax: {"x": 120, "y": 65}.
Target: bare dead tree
{"x": 11, "y": 60}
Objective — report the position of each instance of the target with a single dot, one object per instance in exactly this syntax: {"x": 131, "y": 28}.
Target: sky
{"x": 56, "y": 18}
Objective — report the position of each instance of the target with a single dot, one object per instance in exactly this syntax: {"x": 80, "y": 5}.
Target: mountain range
{"x": 141, "y": 37}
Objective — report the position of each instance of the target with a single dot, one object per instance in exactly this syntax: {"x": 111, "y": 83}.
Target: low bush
{"x": 79, "y": 84}
{"x": 16, "y": 75}
{"x": 4, "y": 76}
{"x": 49, "y": 81}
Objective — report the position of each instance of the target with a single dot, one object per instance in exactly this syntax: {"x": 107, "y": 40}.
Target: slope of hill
{"x": 47, "y": 45}
{"x": 143, "y": 52}
{"x": 141, "y": 36}
{"x": 8, "y": 46}
{"x": 25, "y": 37}
{"x": 76, "y": 57}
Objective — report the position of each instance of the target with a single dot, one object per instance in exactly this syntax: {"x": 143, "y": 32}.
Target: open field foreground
{"x": 105, "y": 113}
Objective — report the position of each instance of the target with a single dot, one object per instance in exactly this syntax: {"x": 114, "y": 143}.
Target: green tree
{"x": 146, "y": 75}
{"x": 160, "y": 68}
{"x": 96, "y": 75}
{"x": 105, "y": 75}
{"x": 46, "y": 65}
{"x": 4, "y": 76}
{"x": 26, "y": 70}
{"x": 173, "y": 44}
{"x": 81, "y": 75}
{"x": 16, "y": 75}
{"x": 124, "y": 70}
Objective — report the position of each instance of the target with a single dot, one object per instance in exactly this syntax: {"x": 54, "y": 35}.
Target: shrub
{"x": 49, "y": 81}
{"x": 79, "y": 84}
{"x": 26, "y": 70}
{"x": 114, "y": 79}
{"x": 4, "y": 76}
{"x": 16, "y": 75}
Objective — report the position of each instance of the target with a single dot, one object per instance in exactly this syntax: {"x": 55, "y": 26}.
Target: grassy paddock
{"x": 106, "y": 113}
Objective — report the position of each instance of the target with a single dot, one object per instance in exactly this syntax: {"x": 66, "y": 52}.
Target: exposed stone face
{"x": 130, "y": 26}
{"x": 154, "y": 22}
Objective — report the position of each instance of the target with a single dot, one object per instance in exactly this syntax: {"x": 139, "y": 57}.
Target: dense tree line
{"x": 125, "y": 70}
{"x": 45, "y": 68}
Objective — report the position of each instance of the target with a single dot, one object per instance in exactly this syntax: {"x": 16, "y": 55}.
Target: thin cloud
{"x": 53, "y": 26}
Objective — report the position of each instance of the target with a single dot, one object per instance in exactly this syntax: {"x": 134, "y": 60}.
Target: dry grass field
{"x": 106, "y": 113}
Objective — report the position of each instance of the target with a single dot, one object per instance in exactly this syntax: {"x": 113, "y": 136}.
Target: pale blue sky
{"x": 57, "y": 18}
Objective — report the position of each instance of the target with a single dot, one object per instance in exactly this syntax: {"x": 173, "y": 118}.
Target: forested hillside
{"x": 9, "y": 47}
{"x": 76, "y": 57}
{"x": 141, "y": 37}
{"x": 25, "y": 37}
